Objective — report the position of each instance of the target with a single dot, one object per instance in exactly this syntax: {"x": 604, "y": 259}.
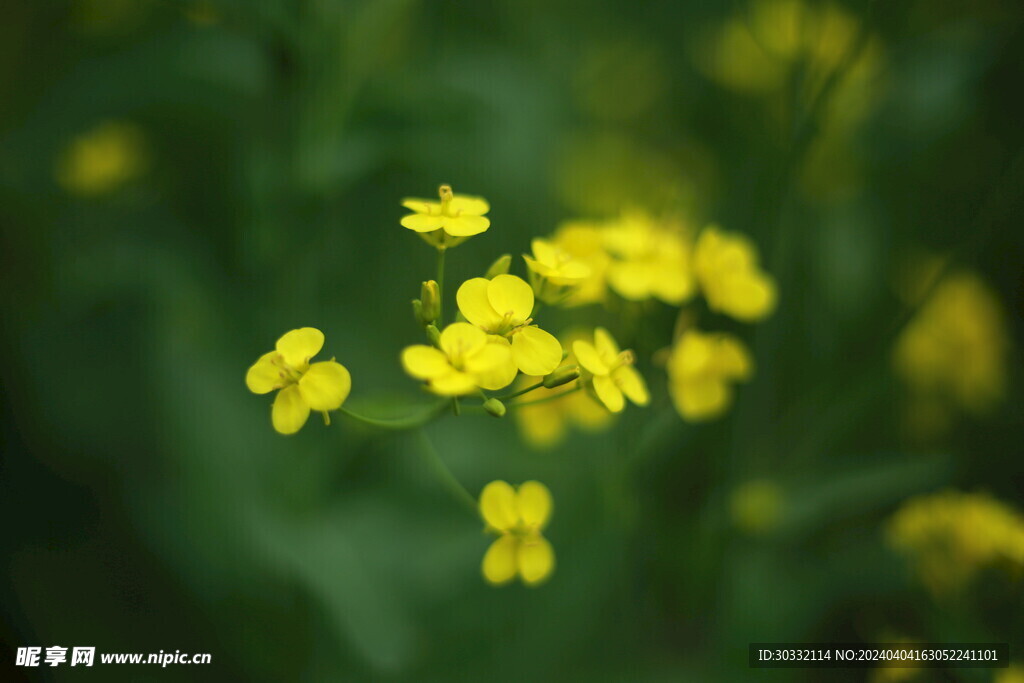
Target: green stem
{"x": 396, "y": 423}
{"x": 527, "y": 390}
{"x": 434, "y": 461}
{"x": 546, "y": 399}
{"x": 441, "y": 251}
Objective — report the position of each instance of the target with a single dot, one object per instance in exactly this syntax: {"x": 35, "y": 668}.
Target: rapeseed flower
{"x": 502, "y": 307}
{"x": 726, "y": 266}
{"x": 701, "y": 370}
{"x": 518, "y": 517}
{"x": 102, "y": 159}
{"x": 584, "y": 242}
{"x": 554, "y": 272}
{"x": 467, "y": 359}
{"x": 610, "y": 372}
{"x": 447, "y": 222}
{"x": 322, "y": 386}
{"x": 650, "y": 260}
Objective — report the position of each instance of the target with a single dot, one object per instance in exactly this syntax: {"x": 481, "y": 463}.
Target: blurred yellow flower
{"x": 102, "y": 160}
{"x": 449, "y": 221}
{"x": 554, "y": 272}
{"x": 502, "y": 307}
{"x": 322, "y": 386}
{"x": 467, "y": 359}
{"x": 1012, "y": 674}
{"x": 954, "y": 351}
{"x": 701, "y": 370}
{"x": 584, "y": 242}
{"x": 610, "y": 372}
{"x": 546, "y": 425}
{"x": 756, "y": 506}
{"x": 726, "y": 265}
{"x": 518, "y": 517}
{"x": 650, "y": 259}
{"x": 951, "y": 535}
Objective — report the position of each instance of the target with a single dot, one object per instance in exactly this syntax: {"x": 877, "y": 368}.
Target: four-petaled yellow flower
{"x": 651, "y": 260}
{"x": 303, "y": 387}
{"x": 554, "y": 273}
{"x": 447, "y": 222}
{"x": 467, "y": 359}
{"x": 701, "y": 368}
{"x": 502, "y": 307}
{"x": 611, "y": 371}
{"x": 519, "y": 517}
{"x": 726, "y": 265}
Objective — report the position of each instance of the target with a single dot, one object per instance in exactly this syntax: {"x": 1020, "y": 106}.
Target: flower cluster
{"x": 499, "y": 342}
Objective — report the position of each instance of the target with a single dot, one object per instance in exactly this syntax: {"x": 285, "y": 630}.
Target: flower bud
{"x": 499, "y": 267}
{"x": 562, "y": 375}
{"x": 417, "y": 310}
{"x": 430, "y": 300}
{"x": 494, "y": 407}
{"x": 433, "y": 334}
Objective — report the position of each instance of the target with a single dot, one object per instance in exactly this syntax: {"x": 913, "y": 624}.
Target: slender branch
{"x": 546, "y": 399}
{"x": 396, "y": 423}
{"x": 436, "y": 464}
{"x": 527, "y": 390}
{"x": 440, "y": 286}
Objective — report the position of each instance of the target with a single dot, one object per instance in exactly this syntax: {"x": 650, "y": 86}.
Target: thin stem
{"x": 546, "y": 399}
{"x": 434, "y": 461}
{"x": 527, "y": 390}
{"x": 440, "y": 285}
{"x": 396, "y": 423}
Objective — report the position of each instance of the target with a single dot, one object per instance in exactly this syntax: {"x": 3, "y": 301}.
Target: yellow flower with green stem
{"x": 554, "y": 273}
{"x": 301, "y": 386}
{"x": 466, "y": 361}
{"x": 701, "y": 370}
{"x": 518, "y": 517}
{"x": 726, "y": 266}
{"x": 502, "y": 307}
{"x": 610, "y": 372}
{"x": 447, "y": 222}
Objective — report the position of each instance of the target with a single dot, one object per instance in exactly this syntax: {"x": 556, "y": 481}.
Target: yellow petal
{"x": 423, "y": 362}
{"x": 466, "y": 205}
{"x": 535, "y": 351}
{"x": 538, "y": 267}
{"x": 701, "y": 399}
{"x": 298, "y": 346}
{"x": 422, "y": 205}
{"x": 610, "y": 395}
{"x": 509, "y": 294}
{"x": 466, "y": 226}
{"x": 733, "y": 358}
{"x": 453, "y": 383}
{"x": 631, "y": 279}
{"x": 326, "y": 385}
{"x": 475, "y": 305}
{"x": 498, "y": 505}
{"x": 542, "y": 426}
{"x": 501, "y": 560}
{"x": 545, "y": 252}
{"x": 263, "y": 377}
{"x": 588, "y": 357}
{"x": 459, "y": 340}
{"x": 533, "y": 500}
{"x": 632, "y": 384}
{"x": 605, "y": 345}
{"x": 536, "y": 559}
{"x": 421, "y": 222}
{"x": 290, "y": 410}
{"x": 492, "y": 366}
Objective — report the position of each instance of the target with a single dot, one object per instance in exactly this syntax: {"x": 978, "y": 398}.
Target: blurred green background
{"x": 180, "y": 183}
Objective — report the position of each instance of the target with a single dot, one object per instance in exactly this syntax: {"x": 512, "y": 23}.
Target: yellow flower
{"x": 610, "y": 371}
{"x": 449, "y": 221}
{"x": 651, "y": 260}
{"x": 584, "y": 243}
{"x": 466, "y": 360}
{"x": 554, "y": 272}
{"x": 303, "y": 387}
{"x": 518, "y": 517}
{"x": 701, "y": 368}
{"x": 102, "y": 159}
{"x": 726, "y": 265}
{"x": 502, "y": 307}
{"x": 546, "y": 424}
{"x": 955, "y": 349}
{"x": 951, "y": 535}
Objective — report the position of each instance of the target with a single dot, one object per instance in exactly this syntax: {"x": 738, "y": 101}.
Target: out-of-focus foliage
{"x": 181, "y": 182}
